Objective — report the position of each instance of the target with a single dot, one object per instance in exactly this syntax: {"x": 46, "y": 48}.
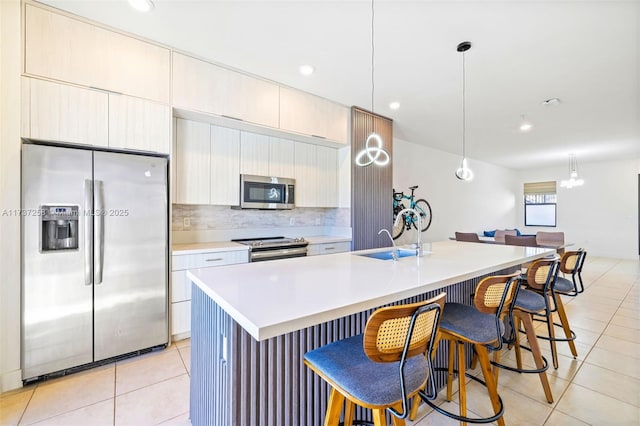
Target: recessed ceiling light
{"x": 141, "y": 5}
{"x": 551, "y": 101}
{"x": 306, "y": 69}
{"x": 525, "y": 125}
{"x": 394, "y": 105}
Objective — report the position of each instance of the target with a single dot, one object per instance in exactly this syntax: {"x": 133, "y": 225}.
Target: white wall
{"x": 10, "y": 376}
{"x": 487, "y": 202}
{"x": 601, "y": 215}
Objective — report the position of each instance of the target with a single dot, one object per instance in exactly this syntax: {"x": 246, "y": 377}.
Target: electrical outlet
{"x": 186, "y": 222}
{"x": 292, "y": 221}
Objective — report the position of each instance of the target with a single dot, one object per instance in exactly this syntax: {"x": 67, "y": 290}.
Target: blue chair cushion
{"x": 530, "y": 301}
{"x": 563, "y": 285}
{"x": 375, "y": 383}
{"x": 467, "y": 321}
{"x": 489, "y": 233}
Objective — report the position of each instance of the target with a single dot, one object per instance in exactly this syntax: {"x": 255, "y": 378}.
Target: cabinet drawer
{"x": 203, "y": 260}
{"x": 328, "y": 248}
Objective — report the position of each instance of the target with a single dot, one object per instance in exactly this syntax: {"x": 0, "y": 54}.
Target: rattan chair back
{"x": 389, "y": 329}
{"x": 541, "y": 274}
{"x": 495, "y": 294}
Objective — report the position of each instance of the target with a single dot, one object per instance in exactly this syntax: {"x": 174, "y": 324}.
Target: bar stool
{"x": 553, "y": 303}
{"x": 480, "y": 325}
{"x": 384, "y": 367}
{"x": 540, "y": 275}
{"x": 571, "y": 263}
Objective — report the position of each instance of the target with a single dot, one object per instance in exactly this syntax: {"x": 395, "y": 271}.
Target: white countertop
{"x": 323, "y": 239}
{"x": 269, "y": 299}
{"x": 197, "y": 248}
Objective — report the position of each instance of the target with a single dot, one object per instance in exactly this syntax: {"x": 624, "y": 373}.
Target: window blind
{"x": 533, "y": 188}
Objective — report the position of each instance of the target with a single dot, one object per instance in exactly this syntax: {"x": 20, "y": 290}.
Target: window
{"x": 540, "y": 204}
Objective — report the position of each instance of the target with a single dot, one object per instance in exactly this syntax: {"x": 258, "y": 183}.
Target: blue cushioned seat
{"x": 469, "y": 322}
{"x": 564, "y": 285}
{"x": 374, "y": 383}
{"x": 530, "y": 301}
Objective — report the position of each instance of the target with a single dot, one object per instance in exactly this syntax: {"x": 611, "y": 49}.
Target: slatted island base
{"x": 251, "y": 324}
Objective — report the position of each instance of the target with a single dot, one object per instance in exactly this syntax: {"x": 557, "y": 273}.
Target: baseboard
{"x": 11, "y": 380}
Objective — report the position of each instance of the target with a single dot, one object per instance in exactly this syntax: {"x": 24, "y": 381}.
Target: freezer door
{"x": 130, "y": 253}
{"x": 56, "y": 284}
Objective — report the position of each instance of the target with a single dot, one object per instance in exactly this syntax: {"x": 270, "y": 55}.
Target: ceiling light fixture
{"x": 525, "y": 125}
{"x": 394, "y": 105}
{"x": 306, "y": 69}
{"x": 464, "y": 172}
{"x": 372, "y": 154}
{"x": 141, "y": 5}
{"x": 573, "y": 180}
{"x": 551, "y": 101}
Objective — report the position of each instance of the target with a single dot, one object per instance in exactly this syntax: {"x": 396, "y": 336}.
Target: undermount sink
{"x": 388, "y": 255}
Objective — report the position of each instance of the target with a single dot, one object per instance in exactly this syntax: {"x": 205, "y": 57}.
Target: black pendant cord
{"x": 464, "y": 110}
{"x": 372, "y": 55}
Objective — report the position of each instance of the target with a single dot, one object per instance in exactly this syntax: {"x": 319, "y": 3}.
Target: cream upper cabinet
{"x": 254, "y": 154}
{"x": 66, "y": 113}
{"x": 281, "y": 157}
{"x": 306, "y": 175}
{"x": 304, "y": 113}
{"x": 201, "y": 86}
{"x": 327, "y": 162}
{"x": 193, "y": 165}
{"x": 225, "y": 166}
{"x": 66, "y": 49}
{"x": 139, "y": 124}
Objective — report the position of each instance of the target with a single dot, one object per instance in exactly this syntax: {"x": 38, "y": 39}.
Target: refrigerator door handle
{"x": 99, "y": 231}
{"x": 88, "y": 231}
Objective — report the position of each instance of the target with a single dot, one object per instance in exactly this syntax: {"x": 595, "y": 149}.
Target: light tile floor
{"x": 600, "y": 387}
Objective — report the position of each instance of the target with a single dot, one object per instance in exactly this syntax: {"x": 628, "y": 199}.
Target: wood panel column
{"x": 371, "y": 186}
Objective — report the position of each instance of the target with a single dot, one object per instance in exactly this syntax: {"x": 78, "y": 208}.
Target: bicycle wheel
{"x": 423, "y": 207}
{"x": 399, "y": 228}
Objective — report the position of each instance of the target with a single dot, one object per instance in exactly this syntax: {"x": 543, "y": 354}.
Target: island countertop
{"x": 273, "y": 298}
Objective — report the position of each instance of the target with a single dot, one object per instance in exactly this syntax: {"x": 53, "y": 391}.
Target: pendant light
{"x": 464, "y": 172}
{"x": 372, "y": 152}
{"x": 573, "y": 180}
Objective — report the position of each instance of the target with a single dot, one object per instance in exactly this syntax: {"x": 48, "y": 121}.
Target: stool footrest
{"x": 477, "y": 420}
{"x": 524, "y": 370}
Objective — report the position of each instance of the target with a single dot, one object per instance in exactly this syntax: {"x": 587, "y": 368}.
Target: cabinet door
{"x": 254, "y": 154}
{"x": 138, "y": 124}
{"x": 201, "y": 86}
{"x": 302, "y": 112}
{"x": 70, "y": 50}
{"x": 337, "y": 122}
{"x": 299, "y": 112}
{"x": 327, "y": 161}
{"x": 225, "y": 166}
{"x": 67, "y": 113}
{"x": 281, "y": 157}
{"x": 192, "y": 159}
{"x": 306, "y": 175}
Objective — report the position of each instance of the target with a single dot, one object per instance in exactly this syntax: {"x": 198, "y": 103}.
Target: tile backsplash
{"x": 206, "y": 217}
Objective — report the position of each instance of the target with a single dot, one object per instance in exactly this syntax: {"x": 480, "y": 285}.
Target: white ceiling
{"x": 587, "y": 53}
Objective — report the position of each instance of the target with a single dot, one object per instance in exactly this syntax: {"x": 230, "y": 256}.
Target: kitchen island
{"x": 252, "y": 323}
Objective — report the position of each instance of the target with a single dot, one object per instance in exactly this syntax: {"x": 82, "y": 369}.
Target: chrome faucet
{"x": 400, "y": 216}
{"x": 394, "y": 253}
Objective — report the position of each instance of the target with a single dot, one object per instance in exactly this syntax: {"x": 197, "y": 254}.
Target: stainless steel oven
{"x": 266, "y": 192}
{"x": 272, "y": 248}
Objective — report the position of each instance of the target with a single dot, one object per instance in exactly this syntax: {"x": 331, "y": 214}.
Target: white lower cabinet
{"x": 181, "y": 286}
{"x": 328, "y": 248}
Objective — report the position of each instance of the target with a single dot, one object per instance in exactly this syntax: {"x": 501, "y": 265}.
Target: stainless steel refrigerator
{"x": 94, "y": 256}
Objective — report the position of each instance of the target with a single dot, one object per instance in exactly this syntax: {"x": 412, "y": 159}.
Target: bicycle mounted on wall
{"x": 410, "y": 219}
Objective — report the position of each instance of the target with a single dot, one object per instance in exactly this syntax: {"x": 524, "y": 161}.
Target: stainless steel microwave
{"x": 266, "y": 192}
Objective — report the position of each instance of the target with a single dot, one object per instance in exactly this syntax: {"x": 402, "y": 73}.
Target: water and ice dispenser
{"x": 59, "y": 228}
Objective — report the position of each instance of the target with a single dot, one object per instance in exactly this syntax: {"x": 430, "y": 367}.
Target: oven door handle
{"x": 298, "y": 251}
